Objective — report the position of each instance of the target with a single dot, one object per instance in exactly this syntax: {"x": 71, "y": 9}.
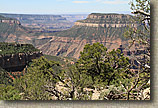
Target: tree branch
{"x": 141, "y": 12}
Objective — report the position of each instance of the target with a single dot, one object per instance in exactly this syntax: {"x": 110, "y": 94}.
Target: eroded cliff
{"x": 107, "y": 29}
{"x": 17, "y": 62}
{"x": 15, "y": 57}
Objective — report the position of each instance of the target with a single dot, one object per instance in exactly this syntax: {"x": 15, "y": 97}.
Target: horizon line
{"x": 119, "y": 12}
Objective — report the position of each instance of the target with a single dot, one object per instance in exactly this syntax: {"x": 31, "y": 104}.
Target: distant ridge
{"x": 11, "y": 29}
{"x": 44, "y": 22}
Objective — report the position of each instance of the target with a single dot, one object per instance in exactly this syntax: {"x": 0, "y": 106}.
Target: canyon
{"x": 95, "y": 28}
{"x": 46, "y": 22}
{"x": 107, "y": 29}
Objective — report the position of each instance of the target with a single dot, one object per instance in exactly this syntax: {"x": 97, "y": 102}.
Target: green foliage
{"x": 140, "y": 5}
{"x": 95, "y": 68}
{"x": 40, "y": 74}
{"x": 104, "y": 67}
{"x": 7, "y": 28}
{"x": 78, "y": 81}
{"x": 55, "y": 58}
{"x": 134, "y": 85}
{"x": 5, "y": 18}
{"x": 4, "y": 77}
{"x": 141, "y": 9}
{"x": 7, "y": 89}
{"x": 91, "y": 32}
{"x": 14, "y": 48}
{"x": 9, "y": 92}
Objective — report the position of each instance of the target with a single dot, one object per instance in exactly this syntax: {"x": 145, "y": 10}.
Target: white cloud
{"x": 81, "y": 2}
{"x": 100, "y": 1}
{"x": 113, "y": 1}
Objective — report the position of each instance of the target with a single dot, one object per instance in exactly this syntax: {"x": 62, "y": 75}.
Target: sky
{"x": 64, "y": 6}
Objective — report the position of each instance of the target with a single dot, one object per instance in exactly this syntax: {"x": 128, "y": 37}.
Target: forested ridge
{"x": 14, "y": 48}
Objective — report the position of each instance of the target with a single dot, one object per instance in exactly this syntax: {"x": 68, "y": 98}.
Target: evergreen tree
{"x": 137, "y": 85}
{"x": 103, "y": 66}
{"x": 7, "y": 89}
{"x": 35, "y": 83}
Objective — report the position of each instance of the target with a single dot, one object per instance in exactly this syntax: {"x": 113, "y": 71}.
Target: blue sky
{"x": 64, "y": 6}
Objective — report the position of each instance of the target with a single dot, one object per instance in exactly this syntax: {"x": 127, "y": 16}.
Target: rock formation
{"x": 107, "y": 20}
{"x": 17, "y": 62}
{"x": 44, "y": 23}
{"x": 104, "y": 25}
{"x": 107, "y": 29}
{"x": 10, "y": 21}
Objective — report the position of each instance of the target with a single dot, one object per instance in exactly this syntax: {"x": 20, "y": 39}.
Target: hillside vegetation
{"x": 14, "y": 48}
{"x": 90, "y": 33}
{"x": 98, "y": 75}
{"x": 109, "y": 18}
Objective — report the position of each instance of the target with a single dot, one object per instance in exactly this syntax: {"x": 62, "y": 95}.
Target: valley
{"x": 46, "y": 23}
{"x": 97, "y": 53}
{"x": 95, "y": 28}
{"x": 106, "y": 29}
{"x": 87, "y": 60}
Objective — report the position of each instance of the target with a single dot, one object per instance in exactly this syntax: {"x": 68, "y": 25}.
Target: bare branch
{"x": 141, "y": 12}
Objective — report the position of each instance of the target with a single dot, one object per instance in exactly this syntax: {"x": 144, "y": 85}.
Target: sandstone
{"x": 17, "y": 62}
{"x": 10, "y": 21}
{"x": 104, "y": 25}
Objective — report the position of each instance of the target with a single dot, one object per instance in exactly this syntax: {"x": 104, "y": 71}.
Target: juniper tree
{"x": 139, "y": 81}
{"x": 141, "y": 35}
{"x": 103, "y": 66}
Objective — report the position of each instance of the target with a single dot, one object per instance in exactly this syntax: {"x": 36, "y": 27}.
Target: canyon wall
{"x": 104, "y": 25}
{"x": 107, "y": 29}
{"x": 107, "y": 20}
{"x": 107, "y": 16}
{"x": 17, "y": 62}
{"x": 70, "y": 47}
{"x": 10, "y": 21}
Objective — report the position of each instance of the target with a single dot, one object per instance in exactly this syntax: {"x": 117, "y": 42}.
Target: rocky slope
{"x": 11, "y": 30}
{"x": 70, "y": 47}
{"x": 107, "y": 29}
